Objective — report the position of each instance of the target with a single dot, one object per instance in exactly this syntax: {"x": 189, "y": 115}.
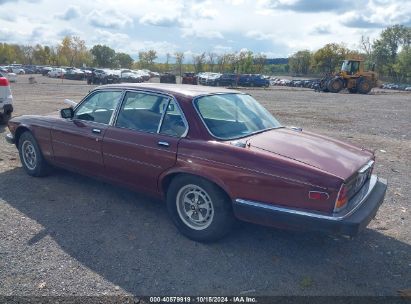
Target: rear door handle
{"x": 163, "y": 144}
{"x": 97, "y": 131}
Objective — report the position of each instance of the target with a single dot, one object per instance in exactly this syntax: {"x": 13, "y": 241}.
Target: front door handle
{"x": 163, "y": 144}
{"x": 97, "y": 131}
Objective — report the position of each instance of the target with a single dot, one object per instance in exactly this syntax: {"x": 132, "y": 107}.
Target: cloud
{"x": 68, "y": 32}
{"x": 9, "y": 18}
{"x": 158, "y": 20}
{"x": 13, "y": 1}
{"x": 321, "y": 30}
{"x": 257, "y": 35}
{"x": 360, "y": 21}
{"x": 313, "y": 6}
{"x": 71, "y": 13}
{"x": 201, "y": 33}
{"x": 109, "y": 38}
{"x": 108, "y": 19}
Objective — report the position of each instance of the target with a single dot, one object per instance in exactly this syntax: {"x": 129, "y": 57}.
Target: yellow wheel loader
{"x": 352, "y": 77}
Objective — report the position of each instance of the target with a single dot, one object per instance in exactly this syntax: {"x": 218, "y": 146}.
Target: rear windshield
{"x": 231, "y": 116}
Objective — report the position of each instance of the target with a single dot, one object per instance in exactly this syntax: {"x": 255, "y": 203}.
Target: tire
{"x": 218, "y": 218}
{"x": 364, "y": 86}
{"x": 335, "y": 85}
{"x": 4, "y": 119}
{"x": 31, "y": 157}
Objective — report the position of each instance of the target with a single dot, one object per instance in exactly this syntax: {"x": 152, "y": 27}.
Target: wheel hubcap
{"x": 29, "y": 155}
{"x": 195, "y": 207}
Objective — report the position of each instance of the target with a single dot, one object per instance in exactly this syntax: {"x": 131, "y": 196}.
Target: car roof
{"x": 172, "y": 89}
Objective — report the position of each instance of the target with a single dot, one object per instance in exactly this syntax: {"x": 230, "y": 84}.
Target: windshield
{"x": 231, "y": 116}
{"x": 346, "y": 66}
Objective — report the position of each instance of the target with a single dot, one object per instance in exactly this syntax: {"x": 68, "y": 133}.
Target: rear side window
{"x": 173, "y": 123}
{"x": 141, "y": 111}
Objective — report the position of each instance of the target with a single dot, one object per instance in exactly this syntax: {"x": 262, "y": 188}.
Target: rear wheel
{"x": 335, "y": 85}
{"x": 31, "y": 157}
{"x": 364, "y": 86}
{"x": 200, "y": 210}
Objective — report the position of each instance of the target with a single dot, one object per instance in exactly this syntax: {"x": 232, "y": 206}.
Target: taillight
{"x": 318, "y": 195}
{"x": 4, "y": 82}
{"x": 342, "y": 198}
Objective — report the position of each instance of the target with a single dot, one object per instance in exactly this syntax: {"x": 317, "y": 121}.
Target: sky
{"x": 276, "y": 28}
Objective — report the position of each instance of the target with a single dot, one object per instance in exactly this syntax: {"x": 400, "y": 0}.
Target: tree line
{"x": 390, "y": 52}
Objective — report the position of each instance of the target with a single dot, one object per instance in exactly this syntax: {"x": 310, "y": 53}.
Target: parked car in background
{"x": 189, "y": 78}
{"x": 167, "y": 78}
{"x": 226, "y": 79}
{"x": 12, "y": 77}
{"x": 74, "y": 74}
{"x": 6, "y": 99}
{"x": 17, "y": 69}
{"x": 131, "y": 76}
{"x": 56, "y": 73}
{"x": 253, "y": 80}
{"x": 45, "y": 70}
{"x": 212, "y": 154}
{"x": 104, "y": 76}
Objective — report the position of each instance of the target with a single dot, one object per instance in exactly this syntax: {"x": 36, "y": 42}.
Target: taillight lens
{"x": 342, "y": 198}
{"x": 4, "y": 82}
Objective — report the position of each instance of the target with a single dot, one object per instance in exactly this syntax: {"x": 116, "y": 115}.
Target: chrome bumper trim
{"x": 354, "y": 204}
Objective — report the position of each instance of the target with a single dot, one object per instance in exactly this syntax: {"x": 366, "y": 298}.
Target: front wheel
{"x": 200, "y": 210}
{"x": 31, "y": 157}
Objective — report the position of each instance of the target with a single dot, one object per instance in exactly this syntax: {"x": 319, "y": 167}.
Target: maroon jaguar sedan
{"x": 212, "y": 154}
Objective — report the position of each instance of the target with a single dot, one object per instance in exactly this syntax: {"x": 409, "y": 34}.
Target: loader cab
{"x": 351, "y": 67}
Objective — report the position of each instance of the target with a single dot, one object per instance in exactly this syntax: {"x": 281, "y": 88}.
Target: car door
{"x": 77, "y": 141}
{"x": 143, "y": 141}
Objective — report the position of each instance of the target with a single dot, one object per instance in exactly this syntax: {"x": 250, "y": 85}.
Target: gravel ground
{"x": 71, "y": 235}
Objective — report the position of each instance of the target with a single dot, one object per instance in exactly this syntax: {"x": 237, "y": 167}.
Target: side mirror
{"x": 67, "y": 113}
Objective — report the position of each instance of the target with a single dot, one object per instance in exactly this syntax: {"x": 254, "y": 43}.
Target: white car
{"x": 57, "y": 72}
{"x": 17, "y": 69}
{"x": 6, "y": 99}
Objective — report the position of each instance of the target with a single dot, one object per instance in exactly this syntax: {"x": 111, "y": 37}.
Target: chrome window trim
{"x": 334, "y": 217}
{"x": 152, "y": 92}
{"x": 221, "y": 138}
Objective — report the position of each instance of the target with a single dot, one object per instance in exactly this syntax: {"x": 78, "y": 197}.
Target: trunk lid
{"x": 326, "y": 154}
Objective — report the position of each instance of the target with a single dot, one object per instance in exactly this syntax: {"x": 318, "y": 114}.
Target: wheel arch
{"x": 19, "y": 131}
{"x": 166, "y": 179}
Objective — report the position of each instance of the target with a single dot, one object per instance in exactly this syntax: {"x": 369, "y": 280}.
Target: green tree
{"x": 403, "y": 65}
{"x": 179, "y": 61}
{"x": 146, "y": 59}
{"x": 328, "y": 58}
{"x": 386, "y": 48}
{"x": 123, "y": 60}
{"x": 103, "y": 56}
{"x": 300, "y": 62}
{"x": 199, "y": 61}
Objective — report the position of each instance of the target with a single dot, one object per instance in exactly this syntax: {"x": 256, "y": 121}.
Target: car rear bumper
{"x": 7, "y": 108}
{"x": 349, "y": 224}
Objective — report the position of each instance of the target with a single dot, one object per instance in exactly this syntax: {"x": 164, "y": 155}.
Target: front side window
{"x": 231, "y": 116}
{"x": 98, "y": 107}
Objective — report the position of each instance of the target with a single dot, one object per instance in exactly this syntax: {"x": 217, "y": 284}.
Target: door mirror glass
{"x": 67, "y": 113}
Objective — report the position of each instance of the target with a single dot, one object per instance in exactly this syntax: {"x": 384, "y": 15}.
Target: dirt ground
{"x": 71, "y": 235}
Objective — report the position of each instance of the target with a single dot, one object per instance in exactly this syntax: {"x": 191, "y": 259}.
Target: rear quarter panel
{"x": 256, "y": 176}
